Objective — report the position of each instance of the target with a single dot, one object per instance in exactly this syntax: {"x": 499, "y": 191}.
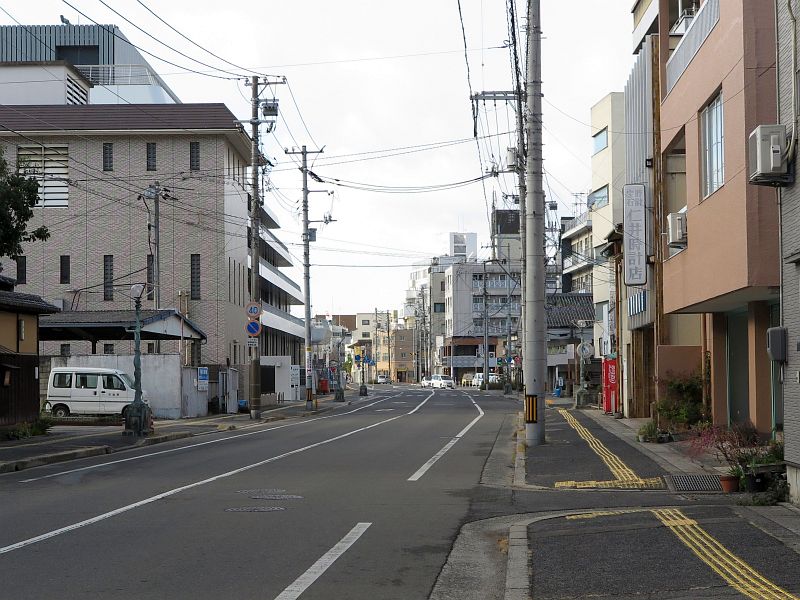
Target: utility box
{"x": 768, "y": 161}
{"x": 676, "y": 230}
{"x": 776, "y": 344}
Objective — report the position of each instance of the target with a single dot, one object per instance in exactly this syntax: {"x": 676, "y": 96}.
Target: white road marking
{"x": 424, "y": 468}
{"x": 314, "y": 572}
{"x": 198, "y": 444}
{"x": 183, "y": 488}
{"x": 384, "y": 409}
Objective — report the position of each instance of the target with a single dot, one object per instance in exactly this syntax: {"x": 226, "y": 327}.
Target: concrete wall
{"x": 283, "y": 377}
{"x": 37, "y": 84}
{"x": 171, "y": 389}
{"x": 674, "y": 361}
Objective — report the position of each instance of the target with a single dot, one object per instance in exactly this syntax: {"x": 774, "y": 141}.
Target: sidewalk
{"x": 69, "y": 442}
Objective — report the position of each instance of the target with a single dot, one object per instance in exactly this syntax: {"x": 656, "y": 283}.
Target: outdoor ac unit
{"x": 676, "y": 230}
{"x": 768, "y": 163}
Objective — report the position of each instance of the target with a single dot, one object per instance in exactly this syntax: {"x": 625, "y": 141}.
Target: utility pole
{"x": 307, "y": 275}
{"x": 255, "y": 254}
{"x": 507, "y": 366}
{"x": 153, "y": 192}
{"x": 485, "y": 332}
{"x": 389, "y": 345}
{"x": 535, "y": 358}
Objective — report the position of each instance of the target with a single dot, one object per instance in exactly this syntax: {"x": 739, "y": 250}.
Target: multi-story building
{"x": 101, "y": 53}
{"x": 481, "y": 300}
{"x": 101, "y": 169}
{"x": 605, "y": 207}
{"x": 577, "y": 253}
{"x": 721, "y": 258}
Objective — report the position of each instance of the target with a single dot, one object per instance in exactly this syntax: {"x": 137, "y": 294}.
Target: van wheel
{"x": 60, "y": 411}
{"x": 124, "y": 412}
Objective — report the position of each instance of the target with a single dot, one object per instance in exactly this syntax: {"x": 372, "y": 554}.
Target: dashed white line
{"x": 424, "y": 468}
{"x": 314, "y": 572}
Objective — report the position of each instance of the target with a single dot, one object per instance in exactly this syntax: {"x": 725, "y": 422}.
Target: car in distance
{"x": 442, "y": 381}
{"x": 425, "y": 382}
{"x": 383, "y": 379}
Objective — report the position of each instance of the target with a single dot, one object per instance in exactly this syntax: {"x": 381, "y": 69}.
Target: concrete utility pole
{"x": 307, "y": 275}
{"x": 389, "y": 344}
{"x": 535, "y": 357}
{"x": 255, "y": 254}
{"x": 485, "y": 332}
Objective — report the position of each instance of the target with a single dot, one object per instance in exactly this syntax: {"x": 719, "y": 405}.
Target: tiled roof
{"x": 25, "y": 303}
{"x": 116, "y": 117}
{"x": 563, "y": 310}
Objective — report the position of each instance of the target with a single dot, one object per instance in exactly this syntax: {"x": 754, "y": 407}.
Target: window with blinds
{"x": 50, "y": 166}
{"x": 195, "y": 277}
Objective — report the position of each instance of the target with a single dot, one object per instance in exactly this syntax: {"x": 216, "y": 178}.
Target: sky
{"x": 384, "y": 88}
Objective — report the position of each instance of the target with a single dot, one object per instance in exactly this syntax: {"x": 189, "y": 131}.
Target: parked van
{"x": 89, "y": 391}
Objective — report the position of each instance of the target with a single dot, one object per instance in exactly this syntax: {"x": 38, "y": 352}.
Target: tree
{"x": 18, "y": 196}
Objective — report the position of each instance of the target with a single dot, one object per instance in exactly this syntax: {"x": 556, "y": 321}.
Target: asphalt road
{"x": 361, "y": 502}
{"x": 406, "y": 495}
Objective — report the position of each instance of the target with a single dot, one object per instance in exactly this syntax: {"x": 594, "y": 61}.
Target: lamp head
{"x": 137, "y": 289}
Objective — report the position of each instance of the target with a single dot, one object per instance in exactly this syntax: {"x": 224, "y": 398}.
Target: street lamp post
{"x": 138, "y": 416}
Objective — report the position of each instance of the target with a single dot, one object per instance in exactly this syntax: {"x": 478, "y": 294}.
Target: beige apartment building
{"x": 99, "y": 167}
{"x": 721, "y": 263}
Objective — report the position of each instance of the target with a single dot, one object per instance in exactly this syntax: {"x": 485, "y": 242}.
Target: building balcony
{"x": 577, "y": 225}
{"x": 695, "y": 30}
{"x": 576, "y": 262}
{"x": 274, "y": 276}
{"x": 282, "y": 321}
{"x": 281, "y": 251}
{"x": 498, "y": 310}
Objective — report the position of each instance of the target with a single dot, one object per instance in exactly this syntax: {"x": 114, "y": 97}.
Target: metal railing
{"x": 703, "y": 23}
{"x": 119, "y": 74}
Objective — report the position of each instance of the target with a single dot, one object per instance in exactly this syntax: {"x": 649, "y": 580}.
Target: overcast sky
{"x": 383, "y": 87}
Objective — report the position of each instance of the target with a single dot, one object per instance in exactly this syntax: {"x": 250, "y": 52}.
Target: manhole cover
{"x": 276, "y": 497}
{"x": 261, "y": 491}
{"x": 255, "y": 509}
{"x": 695, "y": 483}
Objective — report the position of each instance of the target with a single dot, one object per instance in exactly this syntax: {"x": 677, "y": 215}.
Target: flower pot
{"x": 730, "y": 483}
{"x": 755, "y": 482}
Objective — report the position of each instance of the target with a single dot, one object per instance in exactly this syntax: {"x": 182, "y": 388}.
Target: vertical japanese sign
{"x": 634, "y": 241}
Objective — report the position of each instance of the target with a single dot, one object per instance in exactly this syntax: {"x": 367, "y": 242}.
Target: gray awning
{"x": 93, "y": 325}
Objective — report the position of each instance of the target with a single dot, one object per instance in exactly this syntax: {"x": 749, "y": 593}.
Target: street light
{"x": 138, "y": 415}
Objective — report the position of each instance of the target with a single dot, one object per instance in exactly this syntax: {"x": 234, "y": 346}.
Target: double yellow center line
{"x": 624, "y": 476}
{"x": 737, "y": 573}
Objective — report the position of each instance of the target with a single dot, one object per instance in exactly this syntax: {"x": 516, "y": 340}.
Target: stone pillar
{"x": 719, "y": 369}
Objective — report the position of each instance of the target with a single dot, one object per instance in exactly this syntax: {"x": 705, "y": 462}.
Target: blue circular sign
{"x": 253, "y": 328}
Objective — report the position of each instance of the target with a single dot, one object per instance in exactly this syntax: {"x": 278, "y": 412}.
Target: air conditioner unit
{"x": 768, "y": 163}
{"x": 676, "y": 230}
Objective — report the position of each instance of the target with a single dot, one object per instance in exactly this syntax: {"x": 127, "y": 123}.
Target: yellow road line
{"x": 737, "y": 573}
{"x": 602, "y": 513}
{"x": 624, "y": 476}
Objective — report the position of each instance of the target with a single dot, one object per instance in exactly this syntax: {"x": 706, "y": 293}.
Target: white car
{"x": 425, "y": 382}
{"x": 382, "y": 379}
{"x": 442, "y": 381}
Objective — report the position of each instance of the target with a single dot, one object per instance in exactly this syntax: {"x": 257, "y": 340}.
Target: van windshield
{"x": 126, "y": 378}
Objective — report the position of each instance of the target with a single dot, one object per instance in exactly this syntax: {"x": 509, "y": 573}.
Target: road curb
{"x": 46, "y": 459}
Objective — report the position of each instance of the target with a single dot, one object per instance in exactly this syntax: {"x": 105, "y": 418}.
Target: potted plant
{"x": 730, "y": 481}
{"x": 739, "y": 446}
{"x": 648, "y": 432}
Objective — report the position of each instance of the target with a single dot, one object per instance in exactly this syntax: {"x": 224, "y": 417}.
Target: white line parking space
{"x": 196, "y": 484}
{"x": 424, "y": 468}
{"x": 302, "y": 583}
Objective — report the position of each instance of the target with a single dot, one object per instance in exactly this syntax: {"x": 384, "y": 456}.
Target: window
{"x": 438, "y": 307}
{"x": 442, "y": 286}
{"x": 22, "y": 269}
{"x": 65, "y": 350}
{"x": 600, "y": 141}
{"x": 712, "y": 150}
{"x": 86, "y": 381}
{"x": 150, "y": 275}
{"x": 151, "y": 347}
{"x": 151, "y": 156}
{"x": 599, "y": 197}
{"x": 195, "y": 275}
{"x": 108, "y": 156}
{"x": 403, "y": 355}
{"x": 108, "y": 277}
{"x": 50, "y": 166}
{"x": 365, "y": 334}
{"x": 194, "y": 156}
{"x": 62, "y": 380}
{"x": 365, "y": 322}
{"x": 112, "y": 382}
{"x": 108, "y": 348}
{"x": 401, "y": 338}
{"x": 64, "y": 268}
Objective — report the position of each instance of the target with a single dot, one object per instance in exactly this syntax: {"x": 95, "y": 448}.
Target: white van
{"x": 89, "y": 391}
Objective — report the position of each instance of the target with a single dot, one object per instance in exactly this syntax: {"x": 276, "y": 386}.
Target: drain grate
{"x": 694, "y": 483}
{"x": 255, "y": 509}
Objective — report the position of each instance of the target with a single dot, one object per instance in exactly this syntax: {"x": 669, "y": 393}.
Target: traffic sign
{"x": 499, "y": 362}
{"x": 509, "y": 360}
{"x": 253, "y": 328}
{"x": 253, "y": 310}
{"x": 252, "y": 342}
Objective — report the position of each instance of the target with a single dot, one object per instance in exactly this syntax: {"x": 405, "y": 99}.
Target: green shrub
{"x": 649, "y": 431}
{"x": 683, "y": 402}
{"x": 27, "y": 430}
